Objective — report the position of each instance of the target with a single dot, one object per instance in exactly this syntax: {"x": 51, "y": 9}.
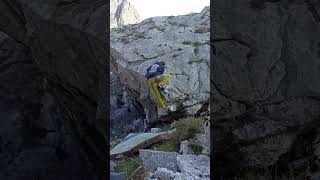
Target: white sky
{"x": 152, "y": 8}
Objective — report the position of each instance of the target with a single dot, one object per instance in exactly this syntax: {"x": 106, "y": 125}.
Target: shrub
{"x": 201, "y": 30}
{"x": 186, "y": 128}
{"x": 166, "y": 146}
{"x": 197, "y": 43}
{"x": 196, "y": 148}
{"x": 128, "y": 165}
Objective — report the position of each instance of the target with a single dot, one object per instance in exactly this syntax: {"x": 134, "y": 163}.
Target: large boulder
{"x": 153, "y": 159}
{"x": 182, "y": 42}
{"x": 265, "y": 85}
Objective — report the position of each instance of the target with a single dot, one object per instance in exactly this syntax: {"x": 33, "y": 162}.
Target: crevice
{"x": 313, "y": 11}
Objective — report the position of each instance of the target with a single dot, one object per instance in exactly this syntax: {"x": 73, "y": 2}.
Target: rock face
{"x": 153, "y": 159}
{"x": 265, "y": 85}
{"x": 182, "y": 42}
{"x": 196, "y": 166}
{"x": 122, "y": 12}
{"x": 126, "y": 116}
{"x": 53, "y": 95}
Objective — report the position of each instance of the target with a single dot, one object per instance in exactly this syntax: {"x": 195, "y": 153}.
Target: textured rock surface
{"x": 185, "y": 148}
{"x": 265, "y": 84}
{"x": 122, "y": 12}
{"x": 133, "y": 142}
{"x": 126, "y": 115}
{"x": 182, "y": 42}
{"x": 57, "y": 124}
{"x": 195, "y": 166}
{"x": 153, "y": 159}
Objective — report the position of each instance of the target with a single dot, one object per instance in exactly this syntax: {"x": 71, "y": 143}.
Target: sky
{"x": 152, "y": 8}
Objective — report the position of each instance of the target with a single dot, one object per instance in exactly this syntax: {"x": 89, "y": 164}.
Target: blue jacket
{"x": 154, "y": 70}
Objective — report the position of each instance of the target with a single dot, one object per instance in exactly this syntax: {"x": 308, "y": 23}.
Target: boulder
{"x": 196, "y": 166}
{"x": 153, "y": 159}
{"x": 133, "y": 142}
{"x": 182, "y": 42}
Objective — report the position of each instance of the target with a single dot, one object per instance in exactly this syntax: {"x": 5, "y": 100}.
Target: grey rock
{"x": 123, "y": 12}
{"x": 118, "y": 176}
{"x": 153, "y": 159}
{"x": 155, "y": 130}
{"x": 112, "y": 166}
{"x": 185, "y": 148}
{"x": 264, "y": 71}
{"x": 196, "y": 166}
{"x": 176, "y": 41}
{"x": 60, "y": 111}
{"x": 137, "y": 141}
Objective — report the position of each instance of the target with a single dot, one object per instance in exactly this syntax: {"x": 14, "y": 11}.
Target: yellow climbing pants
{"x": 160, "y": 80}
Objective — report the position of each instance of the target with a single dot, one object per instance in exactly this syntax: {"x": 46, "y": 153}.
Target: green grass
{"x": 180, "y": 49}
{"x": 197, "y": 43}
{"x": 128, "y": 165}
{"x": 196, "y": 148}
{"x": 185, "y": 129}
{"x": 187, "y": 42}
{"x": 201, "y": 30}
{"x": 165, "y": 146}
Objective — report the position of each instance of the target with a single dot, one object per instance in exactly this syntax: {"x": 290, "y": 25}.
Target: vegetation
{"x": 196, "y": 148}
{"x": 185, "y": 129}
{"x": 187, "y": 42}
{"x": 165, "y": 146}
{"x": 179, "y": 49}
{"x": 201, "y": 30}
{"x": 128, "y": 165}
{"x": 196, "y": 51}
{"x": 197, "y": 43}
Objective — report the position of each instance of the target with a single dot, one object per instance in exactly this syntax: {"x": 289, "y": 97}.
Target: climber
{"x": 158, "y": 79}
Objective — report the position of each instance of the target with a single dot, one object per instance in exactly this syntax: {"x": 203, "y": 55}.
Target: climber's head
{"x": 161, "y": 63}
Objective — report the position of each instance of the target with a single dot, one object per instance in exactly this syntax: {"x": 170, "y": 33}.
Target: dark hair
{"x": 161, "y": 63}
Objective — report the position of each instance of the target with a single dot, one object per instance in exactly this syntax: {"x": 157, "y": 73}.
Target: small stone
{"x": 185, "y": 148}
{"x": 155, "y": 130}
{"x": 118, "y": 176}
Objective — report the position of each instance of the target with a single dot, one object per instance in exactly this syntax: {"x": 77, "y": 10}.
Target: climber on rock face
{"x": 158, "y": 79}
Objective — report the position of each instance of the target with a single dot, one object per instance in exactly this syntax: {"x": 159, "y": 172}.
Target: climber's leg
{"x": 154, "y": 87}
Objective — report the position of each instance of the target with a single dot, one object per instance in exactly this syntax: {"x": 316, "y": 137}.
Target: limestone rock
{"x": 153, "y": 159}
{"x": 182, "y": 42}
{"x": 185, "y": 148}
{"x": 133, "y": 142}
{"x": 118, "y": 176}
{"x": 196, "y": 166}
{"x": 123, "y": 12}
